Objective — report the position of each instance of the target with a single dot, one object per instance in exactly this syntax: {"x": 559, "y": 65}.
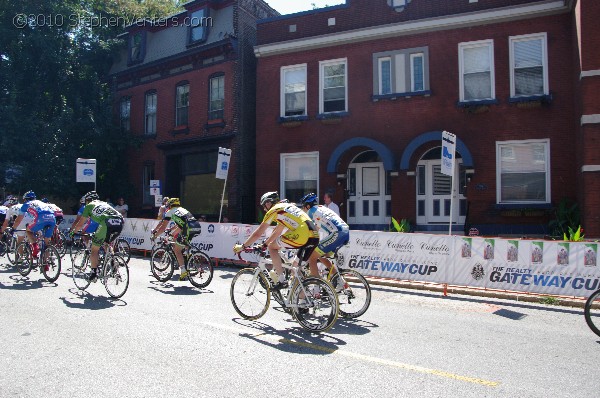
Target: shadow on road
{"x": 25, "y": 283}
{"x": 176, "y": 289}
{"x": 86, "y": 301}
{"x": 294, "y": 340}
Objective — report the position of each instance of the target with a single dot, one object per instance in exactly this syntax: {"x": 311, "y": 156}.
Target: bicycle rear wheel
{"x": 51, "y": 263}
{"x": 123, "y": 249}
{"x": 23, "y": 258}
{"x": 200, "y": 269}
{"x": 354, "y": 295}
{"x": 116, "y": 276}
{"x": 80, "y": 271}
{"x": 250, "y": 293}
{"x": 162, "y": 264}
{"x": 316, "y": 306}
{"x": 592, "y": 312}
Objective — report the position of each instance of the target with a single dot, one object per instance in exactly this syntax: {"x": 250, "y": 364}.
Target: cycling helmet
{"x": 309, "y": 200}
{"x": 92, "y": 195}
{"x": 165, "y": 200}
{"x": 11, "y": 200}
{"x": 272, "y": 197}
{"x": 45, "y": 200}
{"x": 29, "y": 195}
{"x": 173, "y": 202}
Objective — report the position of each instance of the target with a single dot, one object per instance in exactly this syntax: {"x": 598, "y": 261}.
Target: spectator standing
{"x": 329, "y": 203}
{"x": 163, "y": 208}
{"x": 122, "y": 207}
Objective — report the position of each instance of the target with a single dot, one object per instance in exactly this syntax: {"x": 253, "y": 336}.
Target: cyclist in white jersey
{"x": 333, "y": 230}
{"x": 12, "y": 202}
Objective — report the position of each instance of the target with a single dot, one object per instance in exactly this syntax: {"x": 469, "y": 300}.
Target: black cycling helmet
{"x": 92, "y": 195}
{"x": 272, "y": 197}
{"x": 309, "y": 200}
{"x": 29, "y": 195}
{"x": 45, "y": 200}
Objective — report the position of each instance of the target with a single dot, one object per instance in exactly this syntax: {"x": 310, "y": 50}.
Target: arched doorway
{"x": 434, "y": 192}
{"x": 368, "y": 192}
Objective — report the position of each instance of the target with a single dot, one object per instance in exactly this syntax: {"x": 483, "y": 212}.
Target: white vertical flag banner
{"x": 448, "y": 150}
{"x": 86, "y": 170}
{"x": 154, "y": 187}
{"x": 223, "y": 163}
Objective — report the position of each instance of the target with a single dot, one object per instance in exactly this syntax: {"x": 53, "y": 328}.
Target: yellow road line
{"x": 349, "y": 354}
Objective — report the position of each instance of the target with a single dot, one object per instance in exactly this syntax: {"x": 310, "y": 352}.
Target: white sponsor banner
{"x": 448, "y": 152}
{"x": 223, "y": 163}
{"x": 86, "y": 170}
{"x": 535, "y": 266}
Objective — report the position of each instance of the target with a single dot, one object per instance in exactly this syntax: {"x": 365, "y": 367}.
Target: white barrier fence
{"x": 535, "y": 266}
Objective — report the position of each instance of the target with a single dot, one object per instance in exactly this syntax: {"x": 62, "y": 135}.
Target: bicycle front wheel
{"x": 250, "y": 293}
{"x": 200, "y": 270}
{"x": 162, "y": 264}
{"x": 80, "y": 271}
{"x": 354, "y": 293}
{"x": 11, "y": 248}
{"x": 116, "y": 276}
{"x": 592, "y": 312}
{"x": 51, "y": 263}
{"x": 123, "y": 249}
{"x": 314, "y": 304}
{"x": 24, "y": 258}
{"x": 76, "y": 251}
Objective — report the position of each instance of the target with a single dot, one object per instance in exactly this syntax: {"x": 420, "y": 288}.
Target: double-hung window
{"x": 293, "y": 90}
{"x": 523, "y": 171}
{"x": 125, "y": 114}
{"x": 333, "y": 84}
{"x": 299, "y": 174}
{"x": 182, "y": 103}
{"x": 150, "y": 113}
{"x": 528, "y": 65}
{"x": 404, "y": 72}
{"x": 476, "y": 65}
{"x": 217, "y": 97}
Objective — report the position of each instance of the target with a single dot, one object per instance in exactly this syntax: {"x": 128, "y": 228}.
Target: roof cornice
{"x": 416, "y": 27}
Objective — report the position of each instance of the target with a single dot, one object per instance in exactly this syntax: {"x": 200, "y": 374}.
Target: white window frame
{"x": 466, "y": 45}
{"x": 220, "y": 98}
{"x": 148, "y": 114}
{"x": 412, "y": 70}
{"x": 499, "y": 144}
{"x": 290, "y": 68}
{"x": 534, "y": 36}
{"x": 282, "y": 177}
{"x": 322, "y": 65}
{"x": 380, "y": 60}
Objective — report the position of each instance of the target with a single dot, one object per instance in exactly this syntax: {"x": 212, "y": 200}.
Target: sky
{"x": 291, "y": 6}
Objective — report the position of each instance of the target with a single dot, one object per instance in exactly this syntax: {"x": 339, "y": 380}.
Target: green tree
{"x": 55, "y": 101}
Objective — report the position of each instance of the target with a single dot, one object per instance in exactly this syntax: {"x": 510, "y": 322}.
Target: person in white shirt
{"x": 121, "y": 207}
{"x": 329, "y": 204}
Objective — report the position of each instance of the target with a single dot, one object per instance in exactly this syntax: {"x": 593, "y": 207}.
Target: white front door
{"x": 434, "y": 194}
{"x": 367, "y": 200}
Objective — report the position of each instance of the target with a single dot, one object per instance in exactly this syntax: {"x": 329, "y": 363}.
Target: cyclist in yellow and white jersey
{"x": 294, "y": 230}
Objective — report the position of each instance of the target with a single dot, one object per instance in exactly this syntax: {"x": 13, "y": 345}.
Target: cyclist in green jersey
{"x": 110, "y": 225}
{"x": 183, "y": 226}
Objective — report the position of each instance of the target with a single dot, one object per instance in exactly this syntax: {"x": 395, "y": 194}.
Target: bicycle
{"x": 9, "y": 244}
{"x": 120, "y": 247}
{"x": 311, "y": 301}
{"x": 112, "y": 271}
{"x": 48, "y": 259}
{"x": 59, "y": 240}
{"x": 163, "y": 262}
{"x": 354, "y": 291}
{"x": 592, "y": 312}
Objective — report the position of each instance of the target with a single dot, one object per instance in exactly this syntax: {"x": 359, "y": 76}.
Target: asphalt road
{"x": 170, "y": 339}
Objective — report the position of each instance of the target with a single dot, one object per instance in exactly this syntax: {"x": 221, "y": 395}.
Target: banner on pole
{"x": 448, "y": 150}
{"x": 223, "y": 163}
{"x": 86, "y": 170}
{"x": 154, "y": 187}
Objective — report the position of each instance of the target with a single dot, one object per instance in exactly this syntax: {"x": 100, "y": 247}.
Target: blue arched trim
{"x": 386, "y": 155}
{"x": 434, "y": 136}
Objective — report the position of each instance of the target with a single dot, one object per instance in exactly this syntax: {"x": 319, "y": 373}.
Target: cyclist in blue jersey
{"x": 333, "y": 230}
{"x": 38, "y": 216}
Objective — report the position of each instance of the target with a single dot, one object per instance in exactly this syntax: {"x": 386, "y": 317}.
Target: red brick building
{"x": 185, "y": 85}
{"x": 352, "y": 99}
